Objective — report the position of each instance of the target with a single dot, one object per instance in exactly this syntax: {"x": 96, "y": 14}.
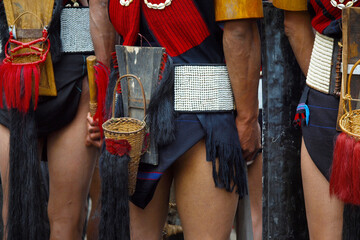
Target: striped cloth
{"x": 326, "y": 18}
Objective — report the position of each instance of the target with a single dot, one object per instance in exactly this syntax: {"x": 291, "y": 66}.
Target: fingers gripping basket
{"x": 129, "y": 129}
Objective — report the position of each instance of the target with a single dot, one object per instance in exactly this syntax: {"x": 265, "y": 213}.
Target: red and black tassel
{"x": 115, "y": 221}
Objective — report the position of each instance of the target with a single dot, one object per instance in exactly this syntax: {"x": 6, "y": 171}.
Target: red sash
{"x": 179, "y": 27}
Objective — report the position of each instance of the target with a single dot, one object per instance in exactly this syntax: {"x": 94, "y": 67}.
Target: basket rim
{"x": 142, "y": 125}
{"x": 345, "y": 130}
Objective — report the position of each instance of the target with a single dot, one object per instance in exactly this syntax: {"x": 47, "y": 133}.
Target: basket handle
{"x": 348, "y": 95}
{"x": 116, "y": 86}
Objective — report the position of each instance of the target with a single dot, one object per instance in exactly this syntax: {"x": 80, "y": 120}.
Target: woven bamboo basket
{"x": 130, "y": 129}
{"x": 350, "y": 120}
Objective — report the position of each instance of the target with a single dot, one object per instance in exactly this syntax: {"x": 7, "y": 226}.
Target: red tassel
{"x": 1, "y": 85}
{"x": 341, "y": 173}
{"x": 17, "y": 83}
{"x": 10, "y": 93}
{"x": 118, "y": 147}
{"x": 36, "y": 72}
{"x": 102, "y": 79}
{"x": 27, "y": 88}
{"x": 356, "y": 174}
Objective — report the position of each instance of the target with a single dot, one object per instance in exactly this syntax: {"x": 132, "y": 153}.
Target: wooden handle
{"x": 90, "y": 62}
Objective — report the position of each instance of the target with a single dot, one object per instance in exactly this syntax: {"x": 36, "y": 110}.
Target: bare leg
{"x": 71, "y": 165}
{"x": 148, "y": 223}
{"x": 92, "y": 232}
{"x": 206, "y": 212}
{"x": 4, "y": 167}
{"x": 255, "y": 194}
{"x": 324, "y": 212}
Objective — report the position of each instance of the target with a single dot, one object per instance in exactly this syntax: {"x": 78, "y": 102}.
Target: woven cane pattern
{"x": 350, "y": 120}
{"x": 202, "y": 88}
{"x": 350, "y": 123}
{"x": 320, "y": 64}
{"x": 75, "y": 30}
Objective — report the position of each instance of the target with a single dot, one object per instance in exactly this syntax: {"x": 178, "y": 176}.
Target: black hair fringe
{"x": 4, "y": 30}
{"x": 119, "y": 111}
{"x": 160, "y": 113}
{"x": 230, "y": 172}
{"x": 54, "y": 32}
{"x": 115, "y": 220}
{"x": 351, "y": 222}
{"x": 27, "y": 215}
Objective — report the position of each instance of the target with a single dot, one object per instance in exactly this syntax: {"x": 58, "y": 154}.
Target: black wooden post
{"x": 283, "y": 204}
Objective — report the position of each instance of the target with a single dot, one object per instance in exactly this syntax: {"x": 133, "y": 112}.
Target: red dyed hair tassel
{"x": 101, "y": 79}
{"x": 356, "y": 174}
{"x": 345, "y": 165}
{"x": 17, "y": 83}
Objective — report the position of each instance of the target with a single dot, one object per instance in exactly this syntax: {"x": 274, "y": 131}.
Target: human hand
{"x": 250, "y": 137}
{"x": 93, "y": 136}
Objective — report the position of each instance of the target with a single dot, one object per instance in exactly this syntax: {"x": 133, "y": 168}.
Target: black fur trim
{"x": 115, "y": 221}
{"x": 160, "y": 113}
{"x": 4, "y": 30}
{"x": 119, "y": 112}
{"x": 27, "y": 215}
{"x": 54, "y": 32}
{"x": 351, "y": 222}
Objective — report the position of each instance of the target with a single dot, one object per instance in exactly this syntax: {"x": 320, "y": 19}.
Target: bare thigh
{"x": 206, "y": 212}
{"x": 4, "y": 167}
{"x": 71, "y": 165}
{"x": 324, "y": 212}
{"x": 255, "y": 193}
{"x": 148, "y": 223}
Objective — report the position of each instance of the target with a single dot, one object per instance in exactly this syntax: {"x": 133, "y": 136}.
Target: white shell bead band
{"x": 342, "y": 5}
{"x": 125, "y": 3}
{"x": 159, "y": 6}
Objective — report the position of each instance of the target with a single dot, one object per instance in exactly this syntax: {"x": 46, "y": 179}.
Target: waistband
{"x": 75, "y": 30}
{"x": 202, "y": 88}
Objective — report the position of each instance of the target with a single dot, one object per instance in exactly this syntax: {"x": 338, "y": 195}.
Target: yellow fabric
{"x": 238, "y": 9}
{"x": 291, "y": 5}
{"x": 25, "y": 19}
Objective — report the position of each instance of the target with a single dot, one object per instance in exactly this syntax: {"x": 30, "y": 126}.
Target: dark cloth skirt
{"x": 320, "y": 132}
{"x": 53, "y": 113}
{"x": 190, "y": 129}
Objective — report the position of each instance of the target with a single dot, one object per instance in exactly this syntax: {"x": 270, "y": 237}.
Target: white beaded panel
{"x": 203, "y": 88}
{"x": 75, "y": 30}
